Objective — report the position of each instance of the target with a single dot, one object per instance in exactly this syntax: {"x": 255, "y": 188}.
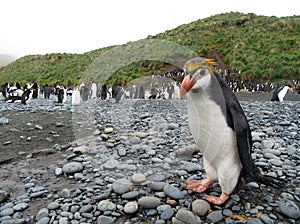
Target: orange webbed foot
{"x": 198, "y": 185}
{"x": 216, "y": 200}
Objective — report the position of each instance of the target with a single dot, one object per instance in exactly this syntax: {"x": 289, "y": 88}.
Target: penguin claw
{"x": 216, "y": 200}
{"x": 198, "y": 185}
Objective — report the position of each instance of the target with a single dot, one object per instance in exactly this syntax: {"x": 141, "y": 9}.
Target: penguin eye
{"x": 203, "y": 71}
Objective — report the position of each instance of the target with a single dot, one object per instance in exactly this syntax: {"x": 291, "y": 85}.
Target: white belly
{"x": 214, "y": 138}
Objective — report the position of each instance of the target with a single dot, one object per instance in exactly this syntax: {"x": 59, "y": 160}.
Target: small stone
{"x": 44, "y": 212}
{"x": 138, "y": 178}
{"x": 53, "y": 205}
{"x": 289, "y": 208}
{"x": 215, "y": 216}
{"x": 186, "y": 216}
{"x": 191, "y": 167}
{"x": 86, "y": 209}
{"x": 131, "y": 195}
{"x": 122, "y": 186}
{"x": 131, "y": 207}
{"x": 38, "y": 127}
{"x": 267, "y": 144}
{"x": 4, "y": 120}
{"x": 106, "y": 205}
{"x": 165, "y": 211}
{"x": 105, "y": 220}
{"x": 157, "y": 186}
{"x": 58, "y": 171}
{"x": 200, "y": 207}
{"x": 111, "y": 164}
{"x": 173, "y": 192}
{"x": 72, "y": 167}
{"x": 149, "y": 202}
{"x": 20, "y": 207}
{"x": 7, "y": 212}
{"x": 44, "y": 220}
{"x": 135, "y": 140}
{"x": 108, "y": 130}
{"x": 141, "y": 134}
{"x": 65, "y": 193}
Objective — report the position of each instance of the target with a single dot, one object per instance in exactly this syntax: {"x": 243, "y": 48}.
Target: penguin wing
{"x": 237, "y": 120}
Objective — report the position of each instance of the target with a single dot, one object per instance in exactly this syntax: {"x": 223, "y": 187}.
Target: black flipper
{"x": 237, "y": 120}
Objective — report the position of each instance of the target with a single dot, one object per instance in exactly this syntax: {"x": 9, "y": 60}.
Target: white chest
{"x": 214, "y": 138}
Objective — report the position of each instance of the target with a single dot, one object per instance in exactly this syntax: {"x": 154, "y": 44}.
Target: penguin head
{"x": 199, "y": 71}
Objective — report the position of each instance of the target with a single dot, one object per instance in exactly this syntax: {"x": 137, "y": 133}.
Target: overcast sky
{"x": 78, "y": 26}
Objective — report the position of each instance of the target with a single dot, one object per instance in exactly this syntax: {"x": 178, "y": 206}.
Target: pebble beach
{"x": 104, "y": 162}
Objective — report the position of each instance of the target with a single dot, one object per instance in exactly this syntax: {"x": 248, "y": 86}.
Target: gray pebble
{"x": 215, "y": 216}
{"x": 20, "y": 207}
{"x": 173, "y": 192}
{"x": 122, "y": 186}
{"x": 149, "y": 202}
{"x": 105, "y": 220}
{"x": 200, "y": 207}
{"x": 72, "y": 167}
{"x": 289, "y": 208}
{"x": 131, "y": 207}
{"x": 186, "y": 216}
{"x": 106, "y": 205}
{"x": 53, "y": 205}
{"x": 44, "y": 220}
{"x": 44, "y": 212}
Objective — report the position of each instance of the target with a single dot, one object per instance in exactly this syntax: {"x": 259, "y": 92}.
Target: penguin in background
{"x": 26, "y": 96}
{"x": 118, "y": 93}
{"x": 94, "y": 90}
{"x": 221, "y": 131}
{"x": 60, "y": 95}
{"x": 104, "y": 92}
{"x": 280, "y": 93}
{"x": 65, "y": 92}
{"x": 35, "y": 89}
{"x": 75, "y": 96}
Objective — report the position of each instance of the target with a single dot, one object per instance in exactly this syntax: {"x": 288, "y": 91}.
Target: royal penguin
{"x": 220, "y": 130}
{"x": 280, "y": 92}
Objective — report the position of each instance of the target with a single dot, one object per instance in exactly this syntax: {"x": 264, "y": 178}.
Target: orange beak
{"x": 187, "y": 83}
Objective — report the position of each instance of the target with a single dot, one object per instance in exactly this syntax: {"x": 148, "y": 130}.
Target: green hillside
{"x": 261, "y": 47}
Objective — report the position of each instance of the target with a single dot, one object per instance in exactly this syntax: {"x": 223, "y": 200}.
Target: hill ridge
{"x": 261, "y": 47}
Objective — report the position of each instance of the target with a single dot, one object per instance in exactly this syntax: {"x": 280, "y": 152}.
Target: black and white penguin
{"x": 104, "y": 92}
{"x": 221, "y": 131}
{"x": 26, "y": 96}
{"x": 60, "y": 95}
{"x": 280, "y": 92}
{"x": 118, "y": 93}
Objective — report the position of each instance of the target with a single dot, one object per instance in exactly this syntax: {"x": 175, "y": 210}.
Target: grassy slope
{"x": 265, "y": 48}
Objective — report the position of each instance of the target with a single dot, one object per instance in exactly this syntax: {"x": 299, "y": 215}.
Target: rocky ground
{"x": 104, "y": 162}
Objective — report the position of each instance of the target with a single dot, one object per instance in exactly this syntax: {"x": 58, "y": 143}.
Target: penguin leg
{"x": 198, "y": 185}
{"x": 227, "y": 179}
{"x": 217, "y": 200}
{"x": 202, "y": 185}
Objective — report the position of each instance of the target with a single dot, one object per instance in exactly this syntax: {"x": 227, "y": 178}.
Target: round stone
{"x": 200, "y": 207}
{"x": 149, "y": 202}
{"x": 72, "y": 167}
{"x": 131, "y": 207}
{"x": 138, "y": 178}
{"x": 122, "y": 186}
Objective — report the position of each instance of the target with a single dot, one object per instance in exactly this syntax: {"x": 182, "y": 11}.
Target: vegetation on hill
{"x": 261, "y": 47}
